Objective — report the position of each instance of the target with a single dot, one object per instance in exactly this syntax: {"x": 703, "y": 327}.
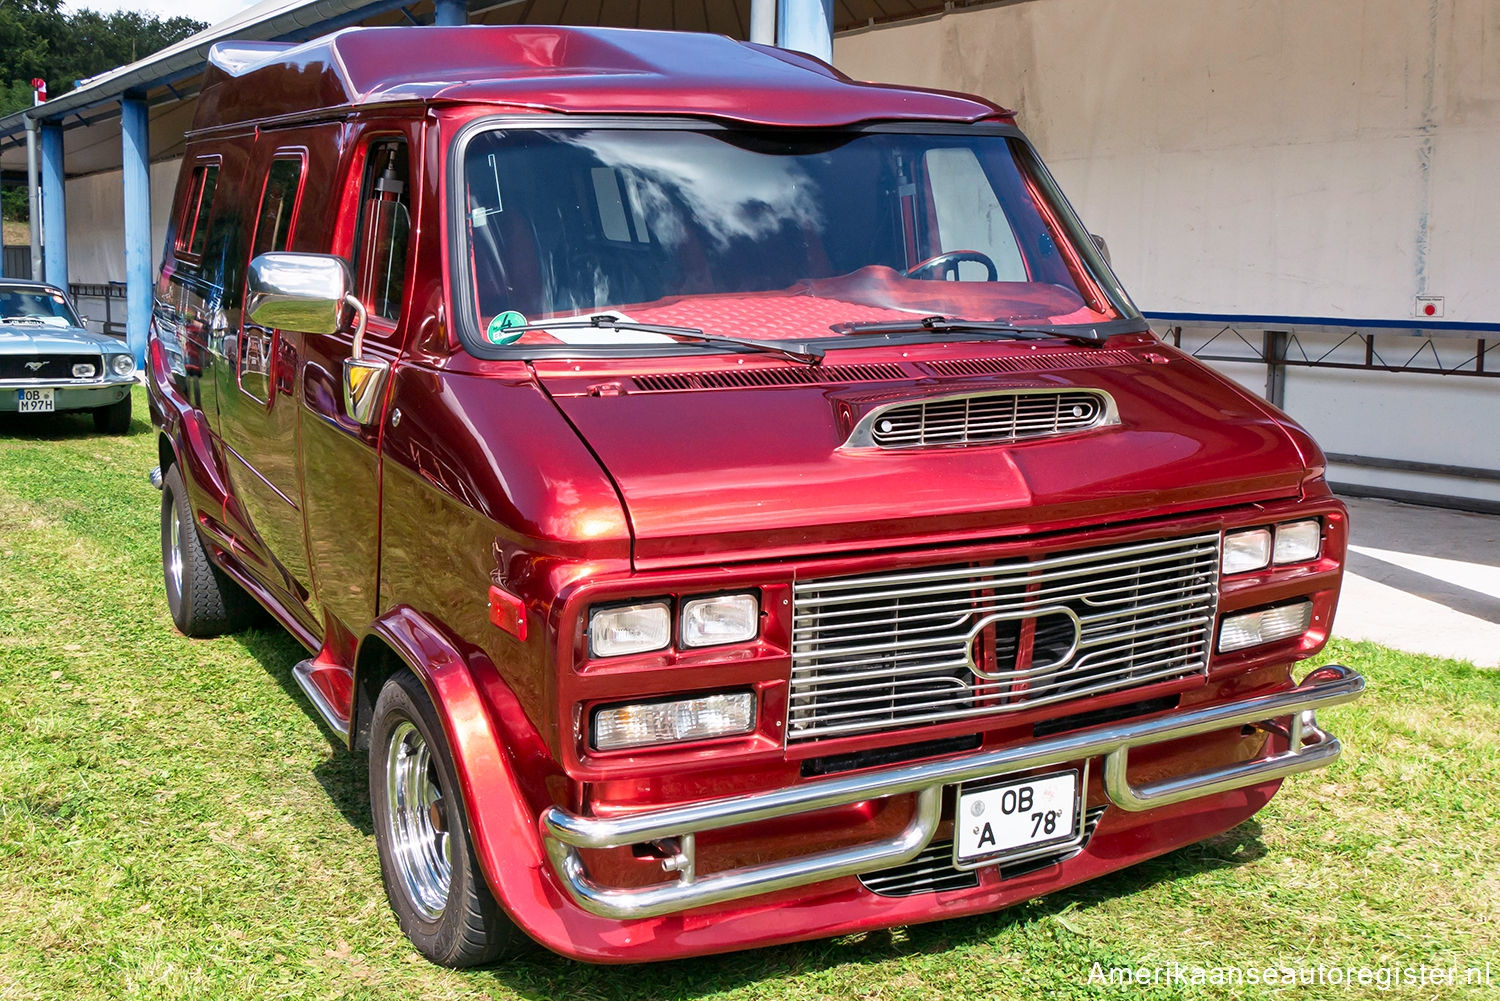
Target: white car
{"x": 50, "y": 362}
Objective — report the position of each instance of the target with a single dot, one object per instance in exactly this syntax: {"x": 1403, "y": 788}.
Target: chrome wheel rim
{"x": 174, "y": 552}
{"x": 417, "y": 821}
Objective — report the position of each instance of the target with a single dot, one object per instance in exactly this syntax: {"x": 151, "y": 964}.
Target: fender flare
{"x": 188, "y": 437}
{"x": 506, "y": 837}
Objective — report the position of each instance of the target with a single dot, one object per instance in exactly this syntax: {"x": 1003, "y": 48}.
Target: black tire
{"x": 203, "y": 600}
{"x": 459, "y": 924}
{"x": 113, "y": 419}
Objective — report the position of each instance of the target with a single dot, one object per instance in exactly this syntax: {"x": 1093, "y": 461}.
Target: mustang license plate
{"x": 35, "y": 401}
{"x": 1014, "y": 818}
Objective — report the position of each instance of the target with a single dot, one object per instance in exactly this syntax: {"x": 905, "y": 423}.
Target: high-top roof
{"x": 574, "y": 70}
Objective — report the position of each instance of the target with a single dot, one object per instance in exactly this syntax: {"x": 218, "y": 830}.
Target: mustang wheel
{"x": 113, "y": 419}
{"x": 427, "y": 858}
{"x": 201, "y": 597}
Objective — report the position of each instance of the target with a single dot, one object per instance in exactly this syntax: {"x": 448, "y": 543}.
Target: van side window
{"x": 384, "y": 224}
{"x": 192, "y": 230}
{"x": 278, "y": 205}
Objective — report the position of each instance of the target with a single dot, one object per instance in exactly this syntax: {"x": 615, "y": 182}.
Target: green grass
{"x": 174, "y": 823}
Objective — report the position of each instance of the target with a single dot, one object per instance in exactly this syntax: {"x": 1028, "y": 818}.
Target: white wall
{"x": 1329, "y": 159}
{"x": 96, "y": 222}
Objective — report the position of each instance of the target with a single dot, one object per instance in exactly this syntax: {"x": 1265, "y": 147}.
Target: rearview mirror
{"x": 302, "y": 292}
{"x": 1103, "y": 248}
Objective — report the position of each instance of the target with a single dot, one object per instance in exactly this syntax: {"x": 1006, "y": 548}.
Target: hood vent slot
{"x": 751, "y": 378}
{"x": 983, "y": 418}
{"x": 1051, "y": 361}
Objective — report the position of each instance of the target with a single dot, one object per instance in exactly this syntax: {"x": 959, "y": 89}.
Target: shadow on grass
{"x": 542, "y": 975}
{"x": 343, "y": 776}
{"x": 63, "y": 425}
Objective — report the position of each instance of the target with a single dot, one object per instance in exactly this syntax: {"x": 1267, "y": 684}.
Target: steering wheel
{"x": 950, "y": 260}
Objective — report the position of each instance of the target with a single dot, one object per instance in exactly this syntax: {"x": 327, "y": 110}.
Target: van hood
{"x": 766, "y": 471}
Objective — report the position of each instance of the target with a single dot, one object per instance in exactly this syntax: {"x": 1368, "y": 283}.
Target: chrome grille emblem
{"x": 35, "y": 365}
{"x": 1025, "y": 665}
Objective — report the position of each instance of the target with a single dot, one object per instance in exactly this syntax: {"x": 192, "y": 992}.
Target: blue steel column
{"x": 763, "y": 21}
{"x": 54, "y": 217}
{"x": 136, "y": 159}
{"x": 449, "y": 13}
{"x": 807, "y": 26}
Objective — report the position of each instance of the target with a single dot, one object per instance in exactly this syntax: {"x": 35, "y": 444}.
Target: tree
{"x": 38, "y": 39}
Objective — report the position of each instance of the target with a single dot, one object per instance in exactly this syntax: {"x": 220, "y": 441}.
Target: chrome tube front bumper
{"x": 565, "y": 833}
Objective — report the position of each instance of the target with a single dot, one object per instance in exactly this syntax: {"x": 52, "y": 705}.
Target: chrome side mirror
{"x": 303, "y": 292}
{"x": 308, "y": 293}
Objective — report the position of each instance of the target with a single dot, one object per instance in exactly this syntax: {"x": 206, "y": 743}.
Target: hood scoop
{"x": 983, "y": 418}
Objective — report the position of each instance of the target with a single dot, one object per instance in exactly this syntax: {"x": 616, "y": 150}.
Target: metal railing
{"x": 110, "y": 293}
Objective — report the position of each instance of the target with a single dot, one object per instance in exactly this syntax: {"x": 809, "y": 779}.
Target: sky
{"x": 202, "y": 10}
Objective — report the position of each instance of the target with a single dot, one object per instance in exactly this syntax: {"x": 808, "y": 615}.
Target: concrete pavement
{"x": 1422, "y": 579}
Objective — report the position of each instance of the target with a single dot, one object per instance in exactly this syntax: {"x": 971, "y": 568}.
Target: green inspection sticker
{"x": 506, "y": 328}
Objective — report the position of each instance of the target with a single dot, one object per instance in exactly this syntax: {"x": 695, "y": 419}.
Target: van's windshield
{"x": 764, "y": 235}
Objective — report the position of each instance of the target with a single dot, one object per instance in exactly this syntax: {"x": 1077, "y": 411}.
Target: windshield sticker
{"x": 506, "y": 328}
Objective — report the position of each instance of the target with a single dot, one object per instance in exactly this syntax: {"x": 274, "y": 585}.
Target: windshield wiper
{"x": 949, "y": 325}
{"x": 801, "y": 351}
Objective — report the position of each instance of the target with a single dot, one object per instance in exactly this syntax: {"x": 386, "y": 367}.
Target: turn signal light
{"x": 1265, "y": 626}
{"x": 649, "y": 723}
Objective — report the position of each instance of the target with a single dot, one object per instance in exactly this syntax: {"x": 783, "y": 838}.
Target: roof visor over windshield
{"x": 765, "y": 235}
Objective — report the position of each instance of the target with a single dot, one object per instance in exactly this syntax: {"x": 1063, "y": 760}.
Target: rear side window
{"x": 278, "y": 206}
{"x": 192, "y": 228}
{"x": 384, "y": 225}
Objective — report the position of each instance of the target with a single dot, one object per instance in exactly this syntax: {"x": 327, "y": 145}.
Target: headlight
{"x": 619, "y": 727}
{"x": 83, "y": 370}
{"x": 122, "y": 365}
{"x": 724, "y": 618}
{"x": 1298, "y": 541}
{"x": 1266, "y": 626}
{"x": 614, "y": 632}
{"x": 1245, "y": 551}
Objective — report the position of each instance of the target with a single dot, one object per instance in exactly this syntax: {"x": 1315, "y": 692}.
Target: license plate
{"x": 35, "y": 401}
{"x": 1014, "y": 818}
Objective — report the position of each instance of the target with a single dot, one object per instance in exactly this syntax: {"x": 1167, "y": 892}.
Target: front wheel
{"x": 113, "y": 419}
{"x": 427, "y": 861}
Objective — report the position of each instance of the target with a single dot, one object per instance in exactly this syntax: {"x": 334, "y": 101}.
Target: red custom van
{"x": 731, "y": 504}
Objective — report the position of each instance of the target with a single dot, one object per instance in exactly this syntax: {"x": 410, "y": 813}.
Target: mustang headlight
{"x": 623, "y": 629}
{"x": 648, "y": 723}
{"x": 122, "y": 365}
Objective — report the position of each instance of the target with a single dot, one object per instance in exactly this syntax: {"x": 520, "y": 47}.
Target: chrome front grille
{"x": 983, "y": 418}
{"x": 909, "y": 648}
{"x": 49, "y": 368}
